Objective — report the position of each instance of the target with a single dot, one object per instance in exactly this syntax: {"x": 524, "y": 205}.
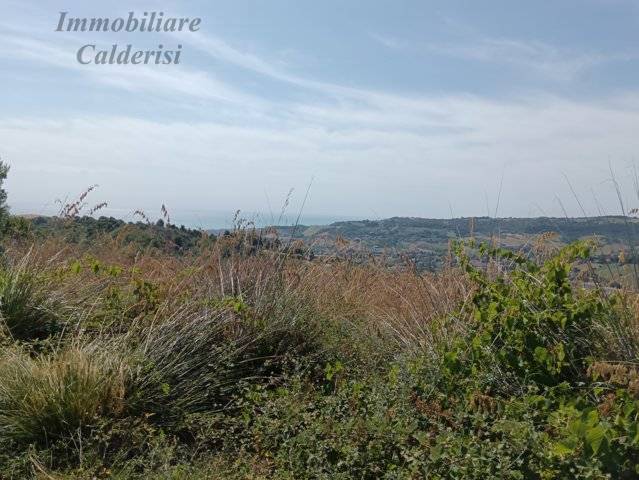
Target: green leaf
{"x": 561, "y": 449}
{"x": 541, "y": 354}
{"x": 595, "y": 436}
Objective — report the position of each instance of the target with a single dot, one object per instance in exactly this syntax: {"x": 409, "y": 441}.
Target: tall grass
{"x": 55, "y": 396}
{"x": 29, "y": 308}
{"x": 196, "y": 361}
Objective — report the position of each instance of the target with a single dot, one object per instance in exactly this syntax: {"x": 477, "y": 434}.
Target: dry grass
{"x": 398, "y": 305}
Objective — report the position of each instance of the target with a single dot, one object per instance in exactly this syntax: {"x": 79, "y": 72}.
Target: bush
{"x": 532, "y": 346}
{"x": 530, "y": 326}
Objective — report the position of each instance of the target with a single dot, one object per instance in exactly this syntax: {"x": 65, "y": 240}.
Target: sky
{"x": 335, "y": 109}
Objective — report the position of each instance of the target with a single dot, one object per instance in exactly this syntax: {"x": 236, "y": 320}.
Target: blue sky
{"x": 390, "y": 107}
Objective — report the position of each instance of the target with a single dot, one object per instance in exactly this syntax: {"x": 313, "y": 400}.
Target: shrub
{"x": 530, "y": 325}
{"x": 532, "y": 346}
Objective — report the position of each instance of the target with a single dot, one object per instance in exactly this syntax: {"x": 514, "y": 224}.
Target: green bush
{"x": 531, "y": 323}
{"x": 535, "y": 339}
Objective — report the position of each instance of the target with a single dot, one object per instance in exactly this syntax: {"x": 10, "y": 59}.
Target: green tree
{"x": 4, "y": 208}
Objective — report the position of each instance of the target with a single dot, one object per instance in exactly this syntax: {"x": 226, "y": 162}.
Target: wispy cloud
{"x": 59, "y": 53}
{"x": 406, "y": 163}
{"x": 540, "y": 58}
{"x": 389, "y": 41}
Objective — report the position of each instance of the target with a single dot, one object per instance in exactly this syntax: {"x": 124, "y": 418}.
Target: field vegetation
{"x": 239, "y": 356}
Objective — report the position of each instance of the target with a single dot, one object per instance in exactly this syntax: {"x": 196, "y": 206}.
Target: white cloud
{"x": 168, "y": 81}
{"x": 388, "y": 41}
{"x": 392, "y": 167}
{"x": 540, "y": 58}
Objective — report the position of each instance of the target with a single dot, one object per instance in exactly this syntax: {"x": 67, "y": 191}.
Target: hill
{"x": 425, "y": 241}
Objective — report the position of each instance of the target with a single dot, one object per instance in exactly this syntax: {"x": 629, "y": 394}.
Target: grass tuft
{"x": 55, "y": 396}
{"x": 29, "y": 308}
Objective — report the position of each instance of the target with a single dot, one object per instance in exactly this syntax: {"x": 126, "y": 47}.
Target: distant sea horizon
{"x": 201, "y": 219}
{"x": 222, "y": 220}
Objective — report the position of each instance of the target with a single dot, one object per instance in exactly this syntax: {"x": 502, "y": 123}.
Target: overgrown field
{"x": 235, "y": 360}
